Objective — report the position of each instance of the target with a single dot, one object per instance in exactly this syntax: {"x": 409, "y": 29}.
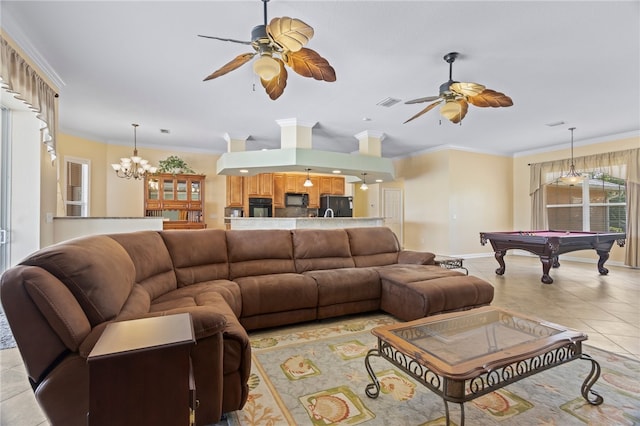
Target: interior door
{"x": 392, "y": 211}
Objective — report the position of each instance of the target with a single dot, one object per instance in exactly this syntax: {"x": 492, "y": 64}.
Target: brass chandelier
{"x": 135, "y": 166}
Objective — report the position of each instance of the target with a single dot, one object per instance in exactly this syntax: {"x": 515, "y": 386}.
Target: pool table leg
{"x": 499, "y": 255}
{"x": 547, "y": 262}
{"x": 604, "y": 255}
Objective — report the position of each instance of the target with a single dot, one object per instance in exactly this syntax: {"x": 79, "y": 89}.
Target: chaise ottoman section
{"x": 410, "y": 300}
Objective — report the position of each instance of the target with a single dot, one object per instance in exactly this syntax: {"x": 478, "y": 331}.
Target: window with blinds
{"x": 596, "y": 205}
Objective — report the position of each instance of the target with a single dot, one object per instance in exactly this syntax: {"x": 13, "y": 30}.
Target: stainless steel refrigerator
{"x": 341, "y": 206}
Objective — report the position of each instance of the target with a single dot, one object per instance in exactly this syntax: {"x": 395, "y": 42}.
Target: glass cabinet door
{"x": 167, "y": 190}
{"x": 181, "y": 190}
{"x": 195, "y": 191}
{"x": 153, "y": 189}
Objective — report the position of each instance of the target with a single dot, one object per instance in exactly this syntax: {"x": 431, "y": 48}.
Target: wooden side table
{"x": 140, "y": 373}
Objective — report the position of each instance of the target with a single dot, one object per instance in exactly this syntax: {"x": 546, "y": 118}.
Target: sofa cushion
{"x": 406, "y": 273}
{"x": 259, "y": 252}
{"x": 97, "y": 270}
{"x": 154, "y": 268}
{"x": 59, "y": 307}
{"x": 315, "y": 249}
{"x": 337, "y": 286}
{"x": 198, "y": 294}
{"x": 198, "y": 256}
{"x": 264, "y": 294}
{"x": 136, "y": 305}
{"x": 373, "y": 246}
{"x": 417, "y": 299}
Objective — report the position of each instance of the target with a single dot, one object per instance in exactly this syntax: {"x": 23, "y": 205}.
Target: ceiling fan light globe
{"x": 266, "y": 67}
{"x": 450, "y": 109}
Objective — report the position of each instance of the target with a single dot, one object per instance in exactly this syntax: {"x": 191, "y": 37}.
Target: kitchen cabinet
{"x": 179, "y": 199}
{"x": 235, "y": 191}
{"x": 278, "y": 190}
{"x": 331, "y": 185}
{"x": 276, "y": 185}
{"x": 337, "y": 185}
{"x": 290, "y": 183}
{"x": 314, "y": 192}
{"x": 260, "y": 185}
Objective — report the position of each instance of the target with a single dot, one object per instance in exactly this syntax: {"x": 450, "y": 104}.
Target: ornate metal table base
{"x": 461, "y": 391}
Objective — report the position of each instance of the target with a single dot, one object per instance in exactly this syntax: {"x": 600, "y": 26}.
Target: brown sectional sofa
{"x": 59, "y": 300}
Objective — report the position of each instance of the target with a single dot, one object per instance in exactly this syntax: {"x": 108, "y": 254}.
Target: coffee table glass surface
{"x": 459, "y": 345}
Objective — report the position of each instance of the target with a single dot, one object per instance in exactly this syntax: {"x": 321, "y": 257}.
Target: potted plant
{"x": 174, "y": 164}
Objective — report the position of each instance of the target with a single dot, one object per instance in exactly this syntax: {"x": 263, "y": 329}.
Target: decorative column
{"x": 370, "y": 142}
{"x": 235, "y": 143}
{"x": 295, "y": 133}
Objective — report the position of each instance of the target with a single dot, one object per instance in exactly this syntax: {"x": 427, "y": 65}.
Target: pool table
{"x": 550, "y": 244}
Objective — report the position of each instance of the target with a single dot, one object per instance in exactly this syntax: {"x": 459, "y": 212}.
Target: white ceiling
{"x": 127, "y": 62}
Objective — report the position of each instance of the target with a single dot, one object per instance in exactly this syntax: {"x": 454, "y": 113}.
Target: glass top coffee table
{"x": 464, "y": 355}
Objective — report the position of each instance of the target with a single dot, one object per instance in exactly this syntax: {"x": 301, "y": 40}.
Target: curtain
{"x": 19, "y": 78}
{"x": 547, "y": 172}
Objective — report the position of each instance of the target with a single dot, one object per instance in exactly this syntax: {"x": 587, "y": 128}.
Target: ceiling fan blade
{"x": 421, "y": 100}
{"x": 467, "y": 89}
{"x": 226, "y": 39}
{"x": 490, "y": 98}
{"x": 237, "y": 62}
{"x": 308, "y": 63}
{"x": 464, "y": 107}
{"x": 289, "y": 33}
{"x": 424, "y": 111}
{"x": 275, "y": 86}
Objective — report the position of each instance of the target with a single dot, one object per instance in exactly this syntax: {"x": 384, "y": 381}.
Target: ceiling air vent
{"x": 555, "y": 123}
{"x": 388, "y": 102}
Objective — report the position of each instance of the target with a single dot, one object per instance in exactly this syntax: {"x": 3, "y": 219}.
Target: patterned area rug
{"x": 6, "y": 338}
{"x": 315, "y": 375}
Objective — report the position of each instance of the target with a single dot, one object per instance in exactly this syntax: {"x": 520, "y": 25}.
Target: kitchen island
{"x": 303, "y": 222}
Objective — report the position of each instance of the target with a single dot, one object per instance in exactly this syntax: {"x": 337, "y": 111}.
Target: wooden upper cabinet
{"x": 278, "y": 190}
{"x": 331, "y": 185}
{"x": 235, "y": 191}
{"x": 265, "y": 184}
{"x": 253, "y": 186}
{"x": 314, "y": 193}
{"x": 260, "y": 185}
{"x": 290, "y": 183}
{"x": 325, "y": 184}
{"x": 337, "y": 185}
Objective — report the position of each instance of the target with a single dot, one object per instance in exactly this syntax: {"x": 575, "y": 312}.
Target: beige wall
{"x": 451, "y": 196}
{"x": 522, "y": 200}
{"x": 115, "y": 197}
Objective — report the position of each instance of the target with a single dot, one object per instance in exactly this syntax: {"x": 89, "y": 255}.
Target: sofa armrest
{"x": 416, "y": 257}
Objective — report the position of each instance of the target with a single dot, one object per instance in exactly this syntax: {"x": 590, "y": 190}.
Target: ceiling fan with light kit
{"x": 279, "y": 43}
{"x": 458, "y": 95}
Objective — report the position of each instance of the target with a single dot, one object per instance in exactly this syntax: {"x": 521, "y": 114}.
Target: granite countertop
{"x": 105, "y": 217}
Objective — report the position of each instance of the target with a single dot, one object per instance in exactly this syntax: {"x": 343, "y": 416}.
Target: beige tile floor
{"x": 606, "y": 307}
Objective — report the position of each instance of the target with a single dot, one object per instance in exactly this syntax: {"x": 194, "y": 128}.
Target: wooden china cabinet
{"x": 178, "y": 198}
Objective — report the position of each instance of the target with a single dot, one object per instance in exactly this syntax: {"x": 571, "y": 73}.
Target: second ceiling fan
{"x": 458, "y": 95}
{"x": 278, "y": 43}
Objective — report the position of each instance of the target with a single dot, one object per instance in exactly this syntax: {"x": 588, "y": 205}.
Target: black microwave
{"x": 296, "y": 199}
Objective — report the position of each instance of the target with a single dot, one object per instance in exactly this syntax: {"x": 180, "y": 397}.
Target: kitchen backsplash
{"x": 295, "y": 212}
